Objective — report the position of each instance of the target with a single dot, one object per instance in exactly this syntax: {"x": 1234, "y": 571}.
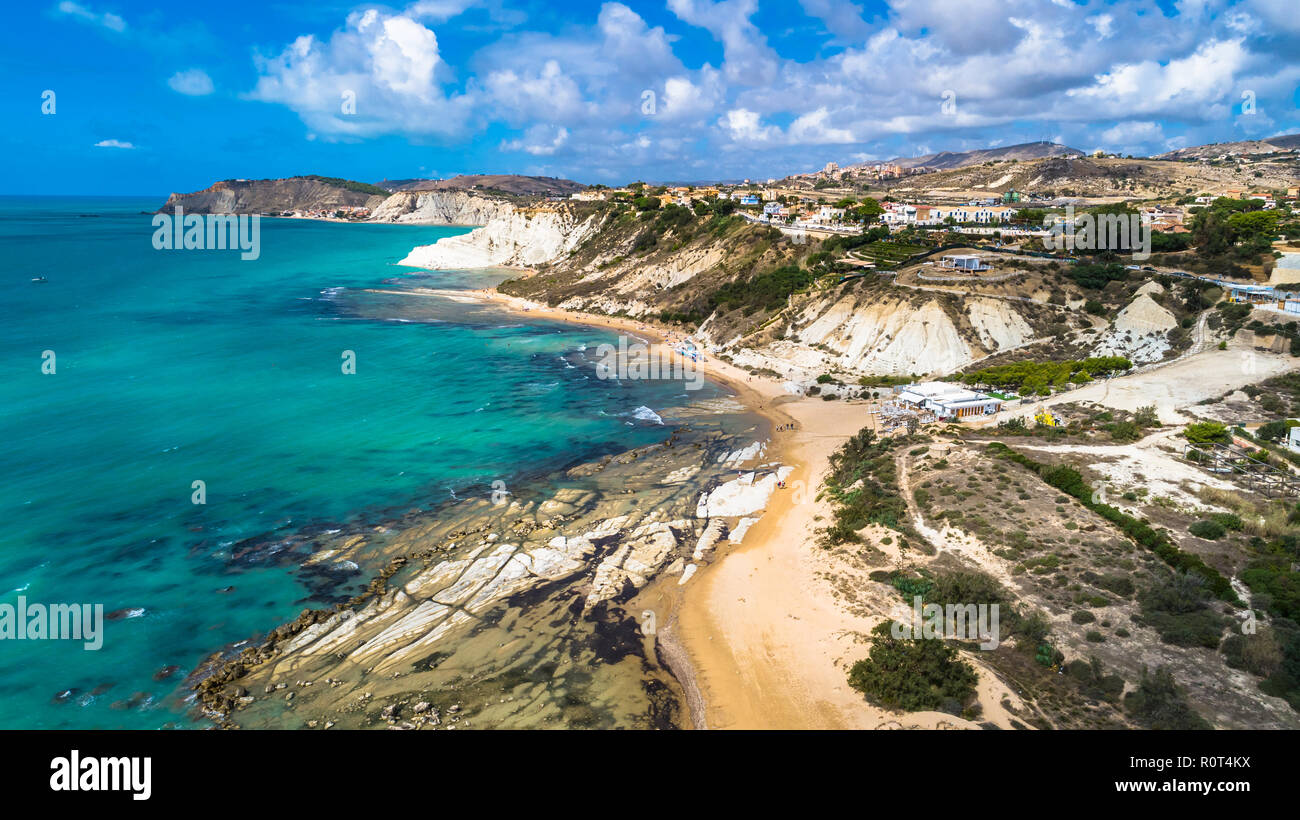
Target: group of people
{"x": 782, "y": 427}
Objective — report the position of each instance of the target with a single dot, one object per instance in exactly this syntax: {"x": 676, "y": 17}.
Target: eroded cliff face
{"x": 1140, "y": 331}
{"x": 441, "y": 208}
{"x": 858, "y": 327}
{"x": 883, "y": 333}
{"x": 509, "y": 236}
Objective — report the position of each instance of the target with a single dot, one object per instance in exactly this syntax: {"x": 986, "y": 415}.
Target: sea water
{"x": 172, "y": 368}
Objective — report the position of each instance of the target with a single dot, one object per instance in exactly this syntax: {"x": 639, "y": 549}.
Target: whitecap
{"x": 646, "y": 414}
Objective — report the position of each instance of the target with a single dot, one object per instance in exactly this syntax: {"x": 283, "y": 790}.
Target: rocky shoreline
{"x": 508, "y": 614}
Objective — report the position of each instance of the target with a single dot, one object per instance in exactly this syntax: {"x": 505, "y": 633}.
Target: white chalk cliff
{"x": 1140, "y": 331}
{"x": 508, "y": 236}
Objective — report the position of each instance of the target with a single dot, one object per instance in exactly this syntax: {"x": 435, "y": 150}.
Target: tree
{"x": 868, "y": 211}
{"x": 1206, "y": 432}
{"x": 912, "y": 675}
{"x": 1158, "y": 703}
{"x": 1273, "y": 431}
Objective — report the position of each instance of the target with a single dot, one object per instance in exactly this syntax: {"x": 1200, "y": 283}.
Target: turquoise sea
{"x": 173, "y": 367}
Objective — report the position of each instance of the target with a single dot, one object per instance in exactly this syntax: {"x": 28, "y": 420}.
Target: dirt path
{"x": 1186, "y": 381}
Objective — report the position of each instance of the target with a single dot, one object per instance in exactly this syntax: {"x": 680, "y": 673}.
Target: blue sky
{"x": 149, "y": 100}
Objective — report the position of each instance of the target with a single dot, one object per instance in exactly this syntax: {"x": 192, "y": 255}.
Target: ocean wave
{"x": 646, "y": 414}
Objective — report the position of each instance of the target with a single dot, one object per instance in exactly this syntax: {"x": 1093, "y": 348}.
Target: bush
{"x": 1125, "y": 431}
{"x": 1039, "y": 377}
{"x": 1068, "y": 480}
{"x": 1209, "y": 530}
{"x": 1121, "y": 585}
{"x": 1158, "y": 703}
{"x": 1205, "y": 432}
{"x": 765, "y": 291}
{"x": 1229, "y": 521}
{"x": 1146, "y": 416}
{"x": 1083, "y": 616}
{"x": 912, "y": 675}
{"x": 1177, "y": 609}
{"x": 1092, "y": 681}
{"x": 866, "y": 465}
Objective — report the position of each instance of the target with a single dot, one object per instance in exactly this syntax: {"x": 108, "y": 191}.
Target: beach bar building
{"x": 1252, "y": 294}
{"x": 949, "y": 400}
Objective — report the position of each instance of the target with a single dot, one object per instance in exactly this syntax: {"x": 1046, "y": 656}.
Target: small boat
{"x": 39, "y": 279}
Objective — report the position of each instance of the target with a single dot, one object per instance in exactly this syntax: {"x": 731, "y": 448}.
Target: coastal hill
{"x": 1061, "y": 171}
{"x": 1098, "y": 177}
{"x": 273, "y": 196}
{"x": 946, "y": 160}
{"x": 307, "y": 194}
{"x": 510, "y": 184}
{"x": 1065, "y": 176}
{"x": 1269, "y": 145}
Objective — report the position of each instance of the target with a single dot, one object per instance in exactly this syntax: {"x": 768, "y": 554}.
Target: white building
{"x": 949, "y": 400}
{"x": 958, "y": 261}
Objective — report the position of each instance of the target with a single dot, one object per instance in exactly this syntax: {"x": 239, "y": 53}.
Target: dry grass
{"x": 1268, "y": 519}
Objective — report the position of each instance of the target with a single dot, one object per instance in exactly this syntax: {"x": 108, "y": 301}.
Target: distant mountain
{"x": 947, "y": 160}
{"x": 1269, "y": 145}
{"x": 513, "y": 184}
{"x": 269, "y": 196}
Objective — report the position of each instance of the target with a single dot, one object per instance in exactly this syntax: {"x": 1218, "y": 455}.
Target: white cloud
{"x": 1198, "y": 84}
{"x": 113, "y": 144}
{"x": 748, "y": 58}
{"x": 1104, "y": 24}
{"x": 744, "y": 126}
{"x": 438, "y": 11}
{"x": 842, "y": 17}
{"x": 194, "y": 82}
{"x": 108, "y": 20}
{"x": 1118, "y": 73}
{"x": 540, "y": 141}
{"x": 814, "y": 128}
{"x": 377, "y": 75}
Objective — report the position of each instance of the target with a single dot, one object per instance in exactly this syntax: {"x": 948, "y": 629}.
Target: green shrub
{"x": 1068, "y": 480}
{"x": 1158, "y": 703}
{"x": 1177, "y": 609}
{"x": 1093, "y": 682}
{"x": 912, "y": 675}
{"x": 1205, "y": 432}
{"x": 1229, "y": 521}
{"x": 1210, "y": 530}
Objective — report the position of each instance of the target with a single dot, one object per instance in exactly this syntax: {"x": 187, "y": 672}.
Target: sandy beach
{"x": 759, "y": 639}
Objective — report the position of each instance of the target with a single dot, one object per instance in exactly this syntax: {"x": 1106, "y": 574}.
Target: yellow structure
{"x": 1045, "y": 418}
